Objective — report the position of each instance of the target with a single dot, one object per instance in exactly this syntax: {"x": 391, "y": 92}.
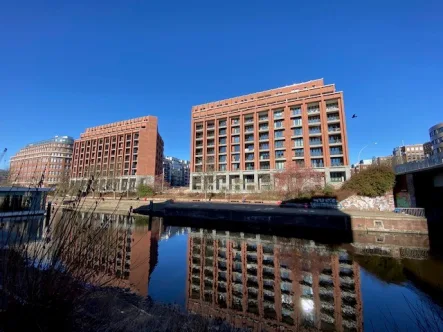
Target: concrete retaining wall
{"x": 362, "y": 203}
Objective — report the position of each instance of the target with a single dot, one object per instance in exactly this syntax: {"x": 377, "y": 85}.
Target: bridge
{"x": 420, "y": 183}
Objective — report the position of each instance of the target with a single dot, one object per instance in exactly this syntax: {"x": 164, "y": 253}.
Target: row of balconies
{"x": 265, "y": 117}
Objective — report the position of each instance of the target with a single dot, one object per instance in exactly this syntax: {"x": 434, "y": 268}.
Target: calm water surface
{"x": 380, "y": 282}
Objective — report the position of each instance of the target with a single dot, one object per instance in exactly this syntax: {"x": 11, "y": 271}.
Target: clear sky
{"x": 68, "y": 65}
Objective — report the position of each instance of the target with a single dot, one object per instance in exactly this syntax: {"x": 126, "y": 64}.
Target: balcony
{"x": 222, "y": 124}
{"x": 278, "y": 115}
{"x": 250, "y": 167}
{"x": 249, "y": 120}
{"x": 279, "y": 136}
{"x": 333, "y": 118}
{"x": 199, "y": 137}
{"x": 264, "y": 147}
{"x": 235, "y": 131}
{"x": 264, "y": 166}
{"x": 249, "y": 129}
{"x": 264, "y": 156}
{"x": 296, "y": 123}
{"x": 222, "y": 132}
{"x": 335, "y": 141}
{"x": 332, "y": 107}
{"x": 313, "y": 110}
{"x": 249, "y": 139}
{"x": 315, "y": 142}
{"x": 263, "y": 137}
{"x": 235, "y": 122}
{"x": 199, "y": 128}
{"x": 279, "y": 146}
{"x": 314, "y": 120}
{"x": 263, "y": 128}
{"x": 250, "y": 157}
{"x": 278, "y": 126}
{"x": 317, "y": 164}
{"x": 299, "y": 153}
{"x": 295, "y": 112}
{"x": 314, "y": 132}
{"x": 263, "y": 118}
{"x": 335, "y": 151}
{"x": 279, "y": 155}
{"x": 334, "y": 129}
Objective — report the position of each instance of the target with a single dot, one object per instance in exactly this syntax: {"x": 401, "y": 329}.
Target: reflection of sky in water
{"x": 168, "y": 281}
{"x": 384, "y": 304}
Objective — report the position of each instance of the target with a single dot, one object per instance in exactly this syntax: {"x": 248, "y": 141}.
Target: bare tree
{"x": 294, "y": 180}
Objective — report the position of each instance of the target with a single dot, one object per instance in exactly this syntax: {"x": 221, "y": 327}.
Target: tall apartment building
{"x": 436, "y": 136}
{"x": 239, "y": 143}
{"x": 254, "y": 282}
{"x": 119, "y": 155}
{"x": 48, "y": 160}
{"x": 407, "y": 153}
{"x": 176, "y": 171}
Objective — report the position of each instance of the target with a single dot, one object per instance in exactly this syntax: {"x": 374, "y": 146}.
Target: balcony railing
{"x": 263, "y": 118}
{"x": 336, "y": 152}
{"x": 331, "y": 107}
{"x": 264, "y": 147}
{"x": 317, "y": 142}
{"x": 337, "y": 164}
{"x": 295, "y": 112}
{"x": 336, "y": 141}
{"x": 249, "y": 120}
{"x": 265, "y": 137}
{"x": 313, "y": 110}
{"x": 333, "y": 118}
{"x": 222, "y": 124}
{"x": 314, "y": 120}
{"x": 264, "y": 157}
{"x": 316, "y": 154}
{"x": 263, "y": 128}
{"x": 334, "y": 129}
{"x": 312, "y": 132}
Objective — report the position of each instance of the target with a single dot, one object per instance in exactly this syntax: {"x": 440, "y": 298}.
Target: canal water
{"x": 378, "y": 282}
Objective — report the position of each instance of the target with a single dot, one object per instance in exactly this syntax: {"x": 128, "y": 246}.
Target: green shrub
{"x": 328, "y": 190}
{"x": 144, "y": 190}
{"x": 371, "y": 182}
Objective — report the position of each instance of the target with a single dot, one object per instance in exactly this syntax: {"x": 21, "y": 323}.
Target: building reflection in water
{"x": 266, "y": 283}
{"x": 126, "y": 251}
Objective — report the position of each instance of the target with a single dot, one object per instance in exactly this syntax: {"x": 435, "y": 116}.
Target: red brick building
{"x": 119, "y": 155}
{"x": 243, "y": 140}
{"x": 260, "y": 283}
{"x": 48, "y": 160}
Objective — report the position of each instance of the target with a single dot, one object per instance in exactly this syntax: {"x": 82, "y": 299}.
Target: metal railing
{"x": 416, "y": 212}
{"x": 432, "y": 161}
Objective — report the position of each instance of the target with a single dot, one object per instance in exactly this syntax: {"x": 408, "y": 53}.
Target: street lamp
{"x": 358, "y": 161}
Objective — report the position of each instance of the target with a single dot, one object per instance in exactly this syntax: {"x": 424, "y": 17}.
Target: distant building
{"x": 119, "y": 155}
{"x": 48, "y": 161}
{"x": 427, "y": 148}
{"x": 363, "y": 164}
{"x": 408, "y": 153}
{"x": 4, "y": 174}
{"x": 382, "y": 161}
{"x": 176, "y": 171}
{"x": 436, "y": 136}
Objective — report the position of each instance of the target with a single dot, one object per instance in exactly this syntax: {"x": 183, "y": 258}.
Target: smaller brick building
{"x": 47, "y": 160}
{"x": 119, "y": 155}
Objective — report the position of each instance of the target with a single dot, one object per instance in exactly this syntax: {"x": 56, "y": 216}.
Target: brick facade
{"x": 119, "y": 155}
{"x": 48, "y": 160}
{"x": 241, "y": 141}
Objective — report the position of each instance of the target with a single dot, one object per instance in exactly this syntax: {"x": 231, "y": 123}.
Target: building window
{"x": 316, "y": 152}
{"x": 316, "y": 163}
{"x": 295, "y": 110}
{"x": 279, "y": 144}
{"x": 278, "y": 124}
{"x": 280, "y": 164}
{"x": 338, "y": 176}
{"x": 222, "y": 159}
{"x": 279, "y": 134}
{"x": 280, "y": 154}
{"x": 278, "y": 114}
{"x": 299, "y": 153}
{"x": 222, "y": 149}
{"x": 337, "y": 161}
{"x": 222, "y": 168}
{"x": 298, "y": 142}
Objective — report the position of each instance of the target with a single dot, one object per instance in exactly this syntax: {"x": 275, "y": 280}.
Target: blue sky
{"x": 67, "y": 65}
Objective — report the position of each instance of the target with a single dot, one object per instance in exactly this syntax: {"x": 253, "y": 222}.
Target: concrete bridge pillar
{"x": 411, "y": 189}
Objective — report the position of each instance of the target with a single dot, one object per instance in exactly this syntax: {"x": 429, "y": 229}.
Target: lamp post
{"x": 359, "y": 154}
